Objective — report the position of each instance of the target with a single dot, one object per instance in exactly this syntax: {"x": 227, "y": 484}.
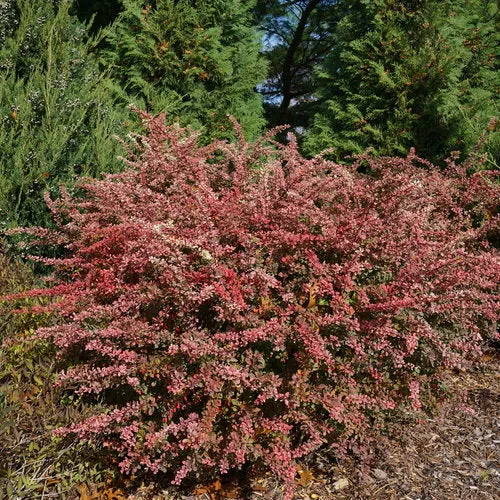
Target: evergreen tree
{"x": 297, "y": 37}
{"x": 408, "y": 73}
{"x": 57, "y": 115}
{"x": 196, "y": 60}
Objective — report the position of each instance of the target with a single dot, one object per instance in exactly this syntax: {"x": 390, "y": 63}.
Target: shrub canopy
{"x": 238, "y": 304}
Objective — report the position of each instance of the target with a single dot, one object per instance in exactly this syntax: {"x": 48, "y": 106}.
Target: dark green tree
{"x": 297, "y": 37}
{"x": 409, "y": 73}
{"x": 196, "y": 60}
{"x": 100, "y": 12}
{"x": 57, "y": 110}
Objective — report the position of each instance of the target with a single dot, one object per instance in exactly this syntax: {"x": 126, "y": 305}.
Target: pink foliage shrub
{"x": 238, "y": 304}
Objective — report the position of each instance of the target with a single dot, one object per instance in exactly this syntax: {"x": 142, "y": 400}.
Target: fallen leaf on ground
{"x": 306, "y": 476}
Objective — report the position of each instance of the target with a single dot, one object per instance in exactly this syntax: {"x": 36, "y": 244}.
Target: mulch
{"x": 454, "y": 455}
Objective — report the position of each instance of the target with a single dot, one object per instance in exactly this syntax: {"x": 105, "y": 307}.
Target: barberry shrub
{"x": 236, "y": 304}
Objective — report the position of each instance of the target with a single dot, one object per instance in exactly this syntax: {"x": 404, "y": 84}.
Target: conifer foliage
{"x": 407, "y": 74}
{"x": 297, "y": 36}
{"x": 229, "y": 315}
{"x": 197, "y": 61}
{"x": 57, "y": 114}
